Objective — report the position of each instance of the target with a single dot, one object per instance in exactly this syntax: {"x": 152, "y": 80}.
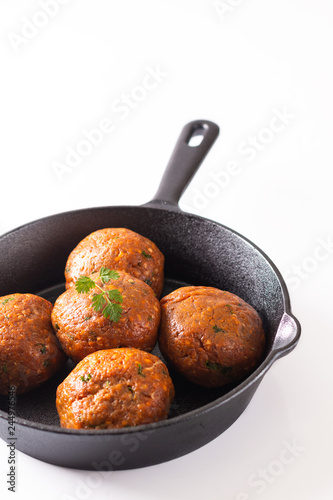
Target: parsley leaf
{"x": 147, "y": 255}
{"x": 108, "y": 301}
{"x": 98, "y": 301}
{"x": 140, "y": 370}
{"x": 218, "y": 329}
{"x": 84, "y": 284}
{"x": 115, "y": 295}
{"x": 7, "y": 300}
{"x": 217, "y": 367}
{"x": 85, "y": 378}
{"x": 230, "y": 308}
{"x": 42, "y": 348}
{"x": 113, "y": 311}
{"x": 108, "y": 274}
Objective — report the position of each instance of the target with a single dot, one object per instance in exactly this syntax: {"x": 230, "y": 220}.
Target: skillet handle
{"x": 185, "y": 161}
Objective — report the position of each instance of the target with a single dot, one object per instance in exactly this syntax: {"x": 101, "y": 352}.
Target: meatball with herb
{"x": 120, "y": 249}
{"x": 115, "y": 388}
{"x": 106, "y": 310}
{"x": 29, "y": 350}
{"x": 210, "y": 336}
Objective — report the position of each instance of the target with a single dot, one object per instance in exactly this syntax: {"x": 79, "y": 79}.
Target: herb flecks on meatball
{"x": 29, "y": 350}
{"x": 119, "y": 249}
{"x": 115, "y": 388}
{"x": 81, "y": 329}
{"x": 210, "y": 336}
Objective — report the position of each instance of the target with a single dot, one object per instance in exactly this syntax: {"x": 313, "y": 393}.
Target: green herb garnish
{"x": 218, "y": 329}
{"x": 230, "y": 308}
{"x": 216, "y": 366}
{"x": 42, "y": 348}
{"x": 130, "y": 389}
{"x": 7, "y": 300}
{"x": 145, "y": 254}
{"x": 107, "y": 301}
{"x": 5, "y": 369}
{"x": 85, "y": 378}
{"x": 148, "y": 281}
{"x": 46, "y": 363}
{"x": 140, "y": 370}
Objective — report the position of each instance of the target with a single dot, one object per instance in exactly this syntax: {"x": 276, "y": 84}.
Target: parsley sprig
{"x": 108, "y": 301}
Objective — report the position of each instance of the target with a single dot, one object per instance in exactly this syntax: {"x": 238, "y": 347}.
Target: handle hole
{"x": 195, "y": 141}
{"x": 197, "y": 136}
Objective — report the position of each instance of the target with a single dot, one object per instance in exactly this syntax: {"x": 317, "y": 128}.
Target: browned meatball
{"x": 29, "y": 351}
{"x": 115, "y": 388}
{"x": 82, "y": 330}
{"x": 210, "y": 336}
{"x": 120, "y": 249}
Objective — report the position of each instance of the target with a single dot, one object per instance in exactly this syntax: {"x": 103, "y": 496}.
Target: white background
{"x": 239, "y": 66}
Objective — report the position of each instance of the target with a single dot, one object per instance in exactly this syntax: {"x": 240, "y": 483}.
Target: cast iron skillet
{"x": 197, "y": 252}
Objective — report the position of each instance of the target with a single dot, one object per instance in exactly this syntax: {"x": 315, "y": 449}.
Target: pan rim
{"x": 256, "y": 376}
{"x": 155, "y": 205}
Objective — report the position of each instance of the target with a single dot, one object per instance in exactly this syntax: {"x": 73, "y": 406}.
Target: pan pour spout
{"x": 287, "y": 335}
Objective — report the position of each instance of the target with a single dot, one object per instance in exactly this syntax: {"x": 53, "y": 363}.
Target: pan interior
{"x": 197, "y": 252}
{"x": 39, "y": 404}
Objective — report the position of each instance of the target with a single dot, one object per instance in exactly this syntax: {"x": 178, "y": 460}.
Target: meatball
{"x": 82, "y": 330}
{"x": 210, "y": 336}
{"x": 120, "y": 249}
{"x": 115, "y": 388}
{"x": 29, "y": 350}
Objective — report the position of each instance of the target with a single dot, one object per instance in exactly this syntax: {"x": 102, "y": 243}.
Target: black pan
{"x": 197, "y": 251}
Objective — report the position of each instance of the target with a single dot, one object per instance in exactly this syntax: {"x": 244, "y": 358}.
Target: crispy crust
{"x": 210, "y": 336}
{"x": 29, "y": 351}
{"x": 81, "y": 330}
{"x": 120, "y": 249}
{"x": 115, "y": 388}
